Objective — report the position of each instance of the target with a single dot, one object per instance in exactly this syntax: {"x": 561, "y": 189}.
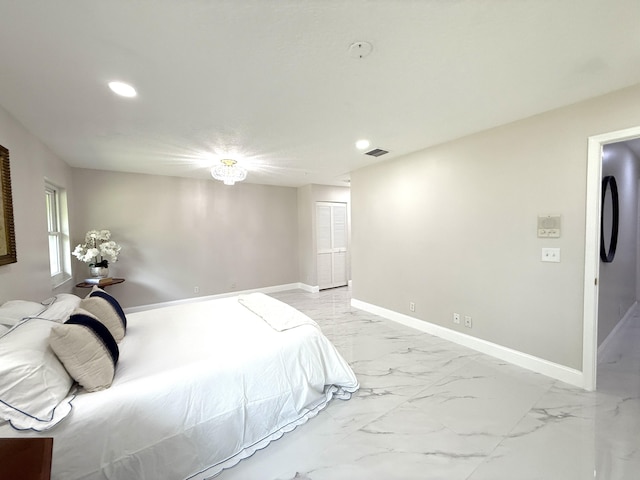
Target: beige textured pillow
{"x": 87, "y": 350}
{"x": 104, "y": 311}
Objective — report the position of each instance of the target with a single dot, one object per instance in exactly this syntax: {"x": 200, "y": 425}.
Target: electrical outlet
{"x": 233, "y": 286}
{"x": 467, "y": 321}
{"x": 196, "y": 289}
{"x": 551, "y": 255}
{"x": 412, "y": 306}
{"x": 456, "y": 318}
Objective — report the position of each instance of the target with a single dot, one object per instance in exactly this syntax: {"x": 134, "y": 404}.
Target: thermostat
{"x": 549, "y": 226}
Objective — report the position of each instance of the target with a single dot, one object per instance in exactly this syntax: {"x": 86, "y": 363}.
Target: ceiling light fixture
{"x": 123, "y": 89}
{"x": 229, "y": 172}
{"x": 362, "y": 144}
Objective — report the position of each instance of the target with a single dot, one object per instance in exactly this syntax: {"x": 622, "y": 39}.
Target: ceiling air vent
{"x": 376, "y": 152}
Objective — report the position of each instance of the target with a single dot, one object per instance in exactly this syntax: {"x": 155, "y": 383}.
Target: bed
{"x": 197, "y": 388}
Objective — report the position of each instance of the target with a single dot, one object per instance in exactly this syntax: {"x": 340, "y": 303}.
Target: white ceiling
{"x": 272, "y": 84}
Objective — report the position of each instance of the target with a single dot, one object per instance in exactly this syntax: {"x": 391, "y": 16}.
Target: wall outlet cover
{"x": 551, "y": 255}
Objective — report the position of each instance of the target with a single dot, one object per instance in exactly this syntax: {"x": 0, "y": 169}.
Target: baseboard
{"x": 308, "y": 288}
{"x": 524, "y": 360}
{"x": 272, "y": 289}
{"x": 627, "y": 316}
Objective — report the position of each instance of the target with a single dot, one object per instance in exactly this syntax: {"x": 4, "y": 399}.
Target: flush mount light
{"x": 123, "y": 89}
{"x": 229, "y": 172}
{"x": 362, "y": 144}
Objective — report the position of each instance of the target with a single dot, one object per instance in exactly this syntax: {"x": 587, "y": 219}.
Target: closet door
{"x": 331, "y": 241}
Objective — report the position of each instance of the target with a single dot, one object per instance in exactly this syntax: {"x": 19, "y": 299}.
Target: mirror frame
{"x": 609, "y": 183}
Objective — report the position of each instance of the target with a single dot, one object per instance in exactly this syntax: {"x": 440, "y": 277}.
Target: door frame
{"x": 592, "y": 249}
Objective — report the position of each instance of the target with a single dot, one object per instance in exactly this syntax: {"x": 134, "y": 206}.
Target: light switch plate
{"x": 551, "y": 255}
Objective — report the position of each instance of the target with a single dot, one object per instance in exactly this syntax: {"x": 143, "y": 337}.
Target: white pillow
{"x": 13, "y": 311}
{"x": 34, "y": 386}
{"x": 61, "y": 308}
{"x": 87, "y": 349}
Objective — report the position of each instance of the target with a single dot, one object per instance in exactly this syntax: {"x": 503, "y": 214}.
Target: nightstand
{"x": 26, "y": 458}
{"x": 113, "y": 281}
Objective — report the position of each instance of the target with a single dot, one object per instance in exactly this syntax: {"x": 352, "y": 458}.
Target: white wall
{"x": 453, "y": 229}
{"x": 617, "y": 291}
{"x": 179, "y": 233}
{"x": 31, "y": 162}
{"x": 306, "y": 252}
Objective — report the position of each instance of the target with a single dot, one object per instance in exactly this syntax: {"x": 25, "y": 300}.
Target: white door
{"x": 331, "y": 237}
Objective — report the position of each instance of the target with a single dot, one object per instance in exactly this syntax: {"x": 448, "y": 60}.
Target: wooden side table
{"x": 26, "y": 458}
{"x": 113, "y": 281}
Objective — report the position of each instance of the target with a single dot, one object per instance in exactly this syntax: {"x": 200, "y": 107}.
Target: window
{"x": 58, "y": 228}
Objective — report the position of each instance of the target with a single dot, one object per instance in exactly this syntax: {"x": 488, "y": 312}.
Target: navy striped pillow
{"x": 87, "y": 350}
{"x": 100, "y": 331}
{"x": 113, "y": 302}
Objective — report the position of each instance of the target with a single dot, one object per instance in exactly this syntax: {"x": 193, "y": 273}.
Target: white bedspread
{"x": 277, "y": 314}
{"x": 198, "y": 387}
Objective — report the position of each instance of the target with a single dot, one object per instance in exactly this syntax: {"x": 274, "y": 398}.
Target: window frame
{"x": 57, "y": 229}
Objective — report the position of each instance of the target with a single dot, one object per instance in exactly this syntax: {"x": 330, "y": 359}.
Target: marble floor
{"x": 430, "y": 409}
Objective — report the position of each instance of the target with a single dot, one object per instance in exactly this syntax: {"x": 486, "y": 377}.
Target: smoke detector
{"x": 360, "y": 49}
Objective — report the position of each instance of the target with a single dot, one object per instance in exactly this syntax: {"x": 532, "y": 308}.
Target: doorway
{"x": 331, "y": 241}
{"x": 592, "y": 249}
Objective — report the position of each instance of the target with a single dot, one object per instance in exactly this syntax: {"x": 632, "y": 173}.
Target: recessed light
{"x": 362, "y": 144}
{"x": 123, "y": 89}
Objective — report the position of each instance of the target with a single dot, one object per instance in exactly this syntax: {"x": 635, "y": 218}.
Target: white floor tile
{"x": 430, "y": 409}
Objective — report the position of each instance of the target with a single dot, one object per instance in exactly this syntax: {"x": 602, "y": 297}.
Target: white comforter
{"x": 198, "y": 387}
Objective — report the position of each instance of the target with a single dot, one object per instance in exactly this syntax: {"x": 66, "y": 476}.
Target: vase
{"x": 99, "y": 272}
